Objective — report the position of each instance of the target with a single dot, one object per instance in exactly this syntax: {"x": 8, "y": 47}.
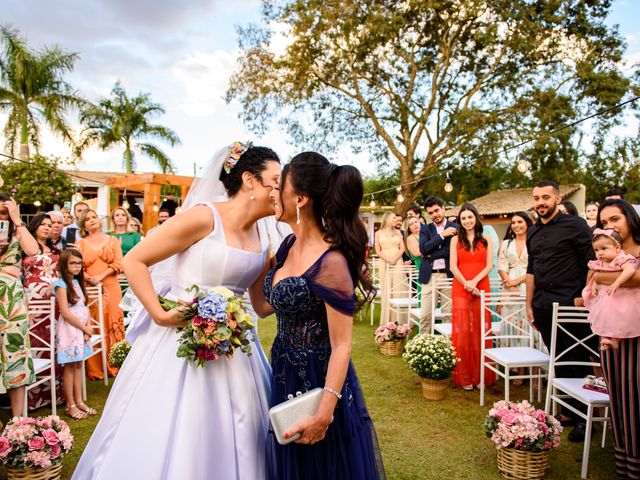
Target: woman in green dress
{"x": 412, "y": 246}
{"x": 16, "y": 365}
{"x": 121, "y": 219}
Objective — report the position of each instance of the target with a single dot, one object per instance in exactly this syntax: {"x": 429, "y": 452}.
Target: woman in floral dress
{"x": 102, "y": 264}
{"x": 16, "y": 365}
{"x": 38, "y": 274}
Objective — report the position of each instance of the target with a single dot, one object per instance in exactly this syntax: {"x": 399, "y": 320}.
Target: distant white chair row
{"x": 44, "y": 357}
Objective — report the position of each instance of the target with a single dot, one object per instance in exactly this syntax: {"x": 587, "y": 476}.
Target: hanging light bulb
{"x": 125, "y": 203}
{"x": 448, "y": 187}
{"x": 400, "y": 197}
{"x": 155, "y": 207}
{"x": 179, "y": 209}
{"x": 372, "y": 203}
{"x": 523, "y": 165}
{"x": 77, "y": 197}
{"x": 37, "y": 203}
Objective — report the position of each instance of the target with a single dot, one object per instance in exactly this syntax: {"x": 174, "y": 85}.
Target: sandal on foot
{"x": 78, "y": 415}
{"x": 468, "y": 388}
{"x": 87, "y": 409}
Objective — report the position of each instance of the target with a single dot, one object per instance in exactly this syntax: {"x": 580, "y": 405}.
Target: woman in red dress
{"x": 471, "y": 261}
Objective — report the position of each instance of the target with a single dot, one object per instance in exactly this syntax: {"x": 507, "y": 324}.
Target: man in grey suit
{"x": 435, "y": 239}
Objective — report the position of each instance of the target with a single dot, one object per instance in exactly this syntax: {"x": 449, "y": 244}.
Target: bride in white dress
{"x": 165, "y": 418}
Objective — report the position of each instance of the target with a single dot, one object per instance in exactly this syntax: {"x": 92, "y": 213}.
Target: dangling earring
{"x": 297, "y": 215}
{"x": 251, "y": 196}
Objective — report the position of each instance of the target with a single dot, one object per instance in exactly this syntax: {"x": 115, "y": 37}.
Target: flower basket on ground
{"x": 391, "y": 336}
{"x": 433, "y": 358}
{"x": 524, "y": 436}
{"x": 33, "y": 448}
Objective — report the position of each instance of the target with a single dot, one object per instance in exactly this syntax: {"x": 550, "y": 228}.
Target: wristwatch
{"x": 22, "y": 224}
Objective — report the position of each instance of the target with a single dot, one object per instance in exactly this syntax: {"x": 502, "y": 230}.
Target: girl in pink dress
{"x": 613, "y": 311}
{"x": 73, "y": 331}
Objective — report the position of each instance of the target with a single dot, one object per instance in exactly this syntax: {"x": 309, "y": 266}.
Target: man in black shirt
{"x": 559, "y": 247}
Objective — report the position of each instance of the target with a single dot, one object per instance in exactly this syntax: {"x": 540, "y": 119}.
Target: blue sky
{"x": 181, "y": 52}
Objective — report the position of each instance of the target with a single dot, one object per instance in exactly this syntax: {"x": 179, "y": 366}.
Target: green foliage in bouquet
{"x": 431, "y": 356}
{"x": 118, "y": 353}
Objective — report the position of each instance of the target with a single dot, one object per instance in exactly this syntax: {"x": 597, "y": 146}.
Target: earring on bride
{"x": 297, "y": 215}
{"x": 251, "y": 196}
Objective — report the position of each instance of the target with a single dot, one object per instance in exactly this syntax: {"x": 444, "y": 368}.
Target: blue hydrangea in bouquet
{"x": 218, "y": 324}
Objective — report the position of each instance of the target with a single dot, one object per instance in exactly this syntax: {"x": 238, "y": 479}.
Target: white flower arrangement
{"x": 431, "y": 356}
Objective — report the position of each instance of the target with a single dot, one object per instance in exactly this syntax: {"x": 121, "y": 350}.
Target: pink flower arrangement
{"x": 522, "y": 426}
{"x": 35, "y": 442}
{"x": 392, "y": 331}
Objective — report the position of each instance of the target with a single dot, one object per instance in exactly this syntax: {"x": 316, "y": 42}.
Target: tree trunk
{"x": 24, "y": 139}
{"x": 127, "y": 160}
{"x": 24, "y": 151}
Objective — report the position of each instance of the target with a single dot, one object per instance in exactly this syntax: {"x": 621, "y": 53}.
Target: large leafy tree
{"x": 33, "y": 91}
{"x": 431, "y": 82}
{"x": 120, "y": 120}
{"x": 39, "y": 179}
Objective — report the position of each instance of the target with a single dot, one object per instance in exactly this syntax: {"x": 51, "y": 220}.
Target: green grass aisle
{"x": 419, "y": 439}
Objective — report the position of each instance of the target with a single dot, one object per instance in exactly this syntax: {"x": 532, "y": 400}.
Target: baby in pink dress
{"x": 614, "y": 311}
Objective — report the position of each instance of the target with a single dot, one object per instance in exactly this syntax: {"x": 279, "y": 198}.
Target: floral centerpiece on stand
{"x": 433, "y": 358}
{"x": 31, "y": 446}
{"x": 523, "y": 435}
{"x": 217, "y": 325}
{"x": 391, "y": 336}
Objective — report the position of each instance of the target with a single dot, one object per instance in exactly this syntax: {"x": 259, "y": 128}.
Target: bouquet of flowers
{"x": 522, "y": 426}
{"x": 118, "y": 353}
{"x": 392, "y": 331}
{"x": 431, "y": 356}
{"x": 218, "y": 324}
{"x": 35, "y": 442}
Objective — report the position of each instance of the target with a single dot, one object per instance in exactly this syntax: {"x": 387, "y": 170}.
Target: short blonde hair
{"x": 138, "y": 223}
{"x": 386, "y": 223}
{"x": 113, "y": 223}
{"x": 81, "y": 220}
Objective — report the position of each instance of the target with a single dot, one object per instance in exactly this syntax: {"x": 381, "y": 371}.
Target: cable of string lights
{"x": 396, "y": 187}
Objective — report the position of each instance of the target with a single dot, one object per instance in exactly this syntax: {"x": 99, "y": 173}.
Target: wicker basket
{"x": 521, "y": 465}
{"x": 51, "y": 473}
{"x": 392, "y": 347}
{"x": 433, "y": 389}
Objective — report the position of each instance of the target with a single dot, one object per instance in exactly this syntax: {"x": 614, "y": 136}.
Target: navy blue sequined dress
{"x": 299, "y": 359}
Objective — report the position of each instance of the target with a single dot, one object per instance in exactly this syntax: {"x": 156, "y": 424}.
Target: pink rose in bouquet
{"x": 36, "y": 443}
{"x": 521, "y": 426}
{"x": 5, "y": 446}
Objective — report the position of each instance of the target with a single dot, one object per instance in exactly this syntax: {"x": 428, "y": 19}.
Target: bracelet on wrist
{"x": 332, "y": 392}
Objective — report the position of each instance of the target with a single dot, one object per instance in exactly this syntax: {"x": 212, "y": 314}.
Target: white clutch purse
{"x": 287, "y": 414}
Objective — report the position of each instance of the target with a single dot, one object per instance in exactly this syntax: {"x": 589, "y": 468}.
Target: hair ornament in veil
{"x": 235, "y": 152}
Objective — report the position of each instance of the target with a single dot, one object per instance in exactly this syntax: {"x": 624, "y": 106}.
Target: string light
{"x": 523, "y": 165}
{"x": 400, "y": 197}
{"x": 155, "y": 207}
{"x": 448, "y": 187}
{"x": 125, "y": 203}
{"x": 37, "y": 203}
{"x": 372, "y": 203}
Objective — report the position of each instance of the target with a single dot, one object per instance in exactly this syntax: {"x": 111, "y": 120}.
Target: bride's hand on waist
{"x": 312, "y": 429}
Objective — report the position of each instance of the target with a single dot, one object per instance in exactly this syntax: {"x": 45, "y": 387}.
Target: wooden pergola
{"x": 150, "y": 184}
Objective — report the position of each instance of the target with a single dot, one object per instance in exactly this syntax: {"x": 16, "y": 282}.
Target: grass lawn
{"x": 419, "y": 439}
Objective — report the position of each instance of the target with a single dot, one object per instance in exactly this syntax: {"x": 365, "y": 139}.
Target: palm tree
{"x": 119, "y": 119}
{"x": 33, "y": 91}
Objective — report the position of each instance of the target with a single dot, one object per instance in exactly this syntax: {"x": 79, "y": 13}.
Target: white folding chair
{"x": 128, "y": 301}
{"x": 403, "y": 295}
{"x": 98, "y": 340}
{"x": 44, "y": 364}
{"x": 375, "y": 280}
{"x": 441, "y": 290}
{"x": 561, "y": 389}
{"x": 506, "y": 337}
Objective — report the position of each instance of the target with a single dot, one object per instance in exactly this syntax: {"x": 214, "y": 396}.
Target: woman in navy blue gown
{"x": 311, "y": 289}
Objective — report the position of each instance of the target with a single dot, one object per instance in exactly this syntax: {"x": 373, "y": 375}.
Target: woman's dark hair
{"x": 34, "y": 224}
{"x": 633, "y": 220}
{"x": 336, "y": 194}
{"x": 65, "y": 274}
{"x": 509, "y": 235}
{"x": 3, "y": 198}
{"x": 571, "y": 208}
{"x": 477, "y": 230}
{"x": 253, "y": 160}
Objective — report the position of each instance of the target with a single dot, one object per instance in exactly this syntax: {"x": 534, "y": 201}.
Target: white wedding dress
{"x": 167, "y": 419}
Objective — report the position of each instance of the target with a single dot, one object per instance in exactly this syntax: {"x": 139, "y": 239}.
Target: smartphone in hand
{"x": 71, "y": 235}
{"x": 4, "y": 231}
